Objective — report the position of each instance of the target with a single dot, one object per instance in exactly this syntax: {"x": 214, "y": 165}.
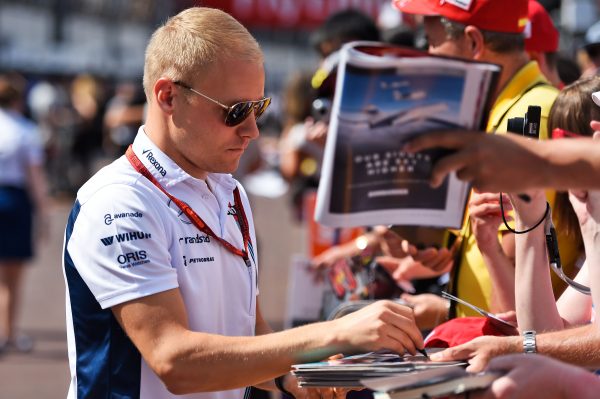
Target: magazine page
{"x": 430, "y": 384}
{"x": 350, "y": 370}
{"x": 381, "y": 101}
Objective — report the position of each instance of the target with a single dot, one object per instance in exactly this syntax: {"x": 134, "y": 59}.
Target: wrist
{"x": 529, "y": 342}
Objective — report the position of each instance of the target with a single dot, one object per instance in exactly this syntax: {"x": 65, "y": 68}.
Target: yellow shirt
{"x": 527, "y": 87}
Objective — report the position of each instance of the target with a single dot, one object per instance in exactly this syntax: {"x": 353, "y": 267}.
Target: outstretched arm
{"x": 579, "y": 346}
{"x": 511, "y": 163}
{"x": 189, "y": 361}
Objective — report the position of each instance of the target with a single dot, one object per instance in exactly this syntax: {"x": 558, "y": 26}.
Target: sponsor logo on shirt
{"x": 124, "y": 237}
{"x": 150, "y": 157}
{"x": 108, "y": 218}
{"x": 197, "y": 260}
{"x": 131, "y": 259}
{"x": 180, "y": 213}
{"x": 195, "y": 240}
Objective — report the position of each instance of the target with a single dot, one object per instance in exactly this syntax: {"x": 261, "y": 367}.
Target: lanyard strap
{"x": 193, "y": 216}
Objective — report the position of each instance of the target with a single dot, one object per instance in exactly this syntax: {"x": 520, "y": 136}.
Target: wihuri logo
{"x": 123, "y": 237}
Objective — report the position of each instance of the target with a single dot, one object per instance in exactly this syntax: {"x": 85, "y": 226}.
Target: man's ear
{"x": 164, "y": 93}
{"x": 475, "y": 41}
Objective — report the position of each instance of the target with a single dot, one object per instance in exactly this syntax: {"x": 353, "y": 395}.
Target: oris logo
{"x": 132, "y": 259}
{"x": 154, "y": 162}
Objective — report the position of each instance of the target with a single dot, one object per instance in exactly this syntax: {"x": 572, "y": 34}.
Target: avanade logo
{"x": 108, "y": 218}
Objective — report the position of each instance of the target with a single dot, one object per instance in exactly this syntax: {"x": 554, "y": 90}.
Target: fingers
{"x": 434, "y": 259}
{"x": 406, "y": 331}
{"x": 460, "y": 352}
{"x": 408, "y": 248}
{"x": 446, "y": 139}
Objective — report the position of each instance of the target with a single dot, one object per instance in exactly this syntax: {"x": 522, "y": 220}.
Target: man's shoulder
{"x": 117, "y": 178}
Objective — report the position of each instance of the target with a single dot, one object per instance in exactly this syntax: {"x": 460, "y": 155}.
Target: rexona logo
{"x": 108, "y": 218}
{"x": 124, "y": 237}
{"x": 131, "y": 259}
{"x": 154, "y": 162}
{"x": 195, "y": 240}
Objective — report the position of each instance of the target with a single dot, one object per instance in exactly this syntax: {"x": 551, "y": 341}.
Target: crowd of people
{"x": 161, "y": 256}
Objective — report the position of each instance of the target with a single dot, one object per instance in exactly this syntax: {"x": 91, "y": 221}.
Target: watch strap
{"x": 529, "y": 343}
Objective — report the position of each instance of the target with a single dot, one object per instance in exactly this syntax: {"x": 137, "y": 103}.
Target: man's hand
{"x": 490, "y": 162}
{"x": 392, "y": 245}
{"x": 381, "y": 325}
{"x": 316, "y": 131}
{"x": 480, "y": 351}
{"x": 486, "y": 217}
{"x": 429, "y": 309}
{"x": 538, "y": 377}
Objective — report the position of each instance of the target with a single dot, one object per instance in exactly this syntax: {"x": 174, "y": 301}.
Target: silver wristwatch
{"x": 529, "y": 342}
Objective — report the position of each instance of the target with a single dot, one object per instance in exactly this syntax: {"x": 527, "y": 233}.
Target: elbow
{"x": 174, "y": 374}
{"x": 171, "y": 376}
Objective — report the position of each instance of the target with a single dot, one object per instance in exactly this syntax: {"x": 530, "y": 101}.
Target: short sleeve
{"x": 119, "y": 246}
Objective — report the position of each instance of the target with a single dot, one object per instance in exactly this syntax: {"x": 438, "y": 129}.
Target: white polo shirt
{"x": 125, "y": 240}
{"x": 20, "y": 147}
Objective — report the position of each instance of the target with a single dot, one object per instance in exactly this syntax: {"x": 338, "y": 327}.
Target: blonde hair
{"x": 189, "y": 43}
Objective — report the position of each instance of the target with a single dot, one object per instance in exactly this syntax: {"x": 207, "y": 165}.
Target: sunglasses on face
{"x": 236, "y": 113}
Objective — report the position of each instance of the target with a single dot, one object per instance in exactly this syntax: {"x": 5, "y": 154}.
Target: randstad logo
{"x": 131, "y": 259}
{"x": 124, "y": 237}
{"x": 108, "y": 218}
{"x": 195, "y": 240}
{"x": 154, "y": 162}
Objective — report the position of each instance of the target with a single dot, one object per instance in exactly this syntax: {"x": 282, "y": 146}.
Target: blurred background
{"x": 82, "y": 63}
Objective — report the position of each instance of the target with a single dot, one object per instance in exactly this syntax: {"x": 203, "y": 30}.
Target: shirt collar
{"x": 165, "y": 170}
{"x": 525, "y": 78}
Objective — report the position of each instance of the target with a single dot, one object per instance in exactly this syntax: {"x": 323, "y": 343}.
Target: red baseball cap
{"x": 540, "y": 33}
{"x": 508, "y": 16}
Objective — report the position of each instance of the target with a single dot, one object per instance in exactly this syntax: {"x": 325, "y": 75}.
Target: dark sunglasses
{"x": 236, "y": 113}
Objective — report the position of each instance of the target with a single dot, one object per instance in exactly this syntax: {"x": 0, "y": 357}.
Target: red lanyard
{"x": 193, "y": 216}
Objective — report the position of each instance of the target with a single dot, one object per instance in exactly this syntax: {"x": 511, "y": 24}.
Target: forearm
{"x": 501, "y": 270}
{"x": 579, "y": 345}
{"x": 207, "y": 362}
{"x": 535, "y": 303}
{"x": 569, "y": 164}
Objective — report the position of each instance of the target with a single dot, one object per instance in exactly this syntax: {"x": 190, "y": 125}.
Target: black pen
{"x": 424, "y": 353}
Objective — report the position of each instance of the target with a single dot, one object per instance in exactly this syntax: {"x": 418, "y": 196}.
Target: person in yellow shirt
{"x": 489, "y": 31}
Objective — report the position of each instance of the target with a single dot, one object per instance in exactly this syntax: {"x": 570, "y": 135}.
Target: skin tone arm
{"x": 289, "y": 381}
{"x": 524, "y": 164}
{"x": 498, "y": 255}
{"x": 188, "y": 361}
{"x": 535, "y": 376}
{"x": 579, "y": 345}
{"x": 587, "y": 207}
{"x": 536, "y": 306}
